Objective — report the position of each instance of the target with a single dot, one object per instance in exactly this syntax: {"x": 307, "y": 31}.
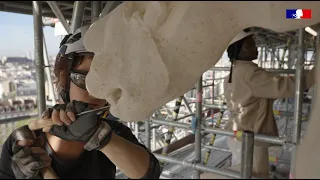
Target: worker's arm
{"x": 271, "y": 85}
{"x": 132, "y": 158}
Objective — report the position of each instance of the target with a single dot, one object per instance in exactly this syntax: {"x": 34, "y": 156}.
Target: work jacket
{"x": 250, "y": 95}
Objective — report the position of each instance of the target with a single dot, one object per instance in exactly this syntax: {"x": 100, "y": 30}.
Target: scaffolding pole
{"x": 291, "y": 55}
{"x": 213, "y": 137}
{"x": 48, "y": 73}
{"x": 154, "y": 139}
{"x": 266, "y": 52}
{"x": 216, "y": 106}
{"x": 187, "y": 104}
{"x": 55, "y": 8}
{"x": 247, "y": 154}
{"x": 171, "y": 129}
{"x": 95, "y": 10}
{"x": 317, "y": 59}
{"x": 198, "y": 126}
{"x": 282, "y": 71}
{"x": 107, "y": 8}
{"x": 212, "y": 91}
{"x": 260, "y": 57}
{"x": 136, "y": 129}
{"x": 38, "y": 46}
{"x": 147, "y": 133}
{"x": 258, "y": 137}
{"x": 298, "y": 100}
{"x": 77, "y": 15}
{"x": 273, "y": 56}
{"x": 199, "y": 167}
{"x": 216, "y": 148}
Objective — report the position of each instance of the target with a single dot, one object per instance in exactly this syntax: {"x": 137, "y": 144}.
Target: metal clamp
{"x": 194, "y": 164}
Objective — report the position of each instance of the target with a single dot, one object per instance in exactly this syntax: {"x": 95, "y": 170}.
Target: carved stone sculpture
{"x": 148, "y": 53}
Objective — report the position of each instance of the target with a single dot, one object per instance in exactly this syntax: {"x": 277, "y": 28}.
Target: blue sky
{"x": 16, "y": 35}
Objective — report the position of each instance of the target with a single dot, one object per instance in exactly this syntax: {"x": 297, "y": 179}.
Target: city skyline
{"x": 17, "y": 36}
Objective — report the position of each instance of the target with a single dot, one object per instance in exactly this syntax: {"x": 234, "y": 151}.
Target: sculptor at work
{"x": 249, "y": 94}
{"x": 89, "y": 146}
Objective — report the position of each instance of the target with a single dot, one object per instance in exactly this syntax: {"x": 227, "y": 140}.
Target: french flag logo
{"x": 298, "y": 13}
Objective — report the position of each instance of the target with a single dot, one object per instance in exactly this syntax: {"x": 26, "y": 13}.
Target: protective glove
{"x": 67, "y": 117}
{"x": 88, "y": 128}
{"x": 28, "y": 161}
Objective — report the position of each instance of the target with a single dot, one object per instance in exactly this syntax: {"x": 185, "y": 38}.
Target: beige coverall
{"x": 249, "y": 99}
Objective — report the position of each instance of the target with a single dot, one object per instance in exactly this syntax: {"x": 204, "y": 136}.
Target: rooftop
{"x": 19, "y": 60}
{"x": 26, "y": 89}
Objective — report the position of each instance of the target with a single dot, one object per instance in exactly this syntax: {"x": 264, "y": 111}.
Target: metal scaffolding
{"x": 95, "y": 10}
{"x": 248, "y": 138}
{"x": 298, "y": 100}
{"x": 247, "y": 155}
{"x": 39, "y": 59}
{"x": 198, "y": 127}
{"x": 53, "y": 5}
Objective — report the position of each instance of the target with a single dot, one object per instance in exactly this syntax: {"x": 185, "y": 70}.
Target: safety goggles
{"x": 79, "y": 78}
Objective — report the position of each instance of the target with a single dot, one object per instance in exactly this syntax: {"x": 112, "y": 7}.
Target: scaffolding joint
{"x": 194, "y": 164}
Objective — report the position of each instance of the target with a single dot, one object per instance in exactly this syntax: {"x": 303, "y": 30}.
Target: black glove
{"x": 87, "y": 128}
{"x": 69, "y": 107}
{"x": 65, "y": 107}
{"x": 26, "y": 164}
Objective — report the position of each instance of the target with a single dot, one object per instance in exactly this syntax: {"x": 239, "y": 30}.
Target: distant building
{"x": 6, "y": 87}
{"x": 27, "y": 89}
{"x": 16, "y": 61}
{"x": 30, "y": 54}
{"x": 3, "y": 73}
{"x": 3, "y": 60}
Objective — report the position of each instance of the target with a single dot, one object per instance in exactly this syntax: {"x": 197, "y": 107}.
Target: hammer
{"x": 25, "y": 133}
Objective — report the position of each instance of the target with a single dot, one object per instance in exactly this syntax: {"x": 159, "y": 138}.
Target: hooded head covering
{"x": 234, "y": 48}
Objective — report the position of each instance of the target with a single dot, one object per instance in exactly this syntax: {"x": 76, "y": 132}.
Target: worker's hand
{"x": 87, "y": 128}
{"x": 61, "y": 114}
{"x": 28, "y": 160}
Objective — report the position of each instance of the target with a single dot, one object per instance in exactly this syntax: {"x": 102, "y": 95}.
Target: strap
{"x": 230, "y": 75}
{"x": 64, "y": 93}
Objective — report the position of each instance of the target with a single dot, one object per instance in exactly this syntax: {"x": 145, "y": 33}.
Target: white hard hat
{"x": 74, "y": 43}
{"x": 240, "y": 36}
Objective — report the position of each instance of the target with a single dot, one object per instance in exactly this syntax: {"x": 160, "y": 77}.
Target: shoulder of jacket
{"x": 247, "y": 68}
{"x": 252, "y": 71}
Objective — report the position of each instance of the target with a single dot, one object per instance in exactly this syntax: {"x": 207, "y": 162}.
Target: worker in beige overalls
{"x": 249, "y": 94}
